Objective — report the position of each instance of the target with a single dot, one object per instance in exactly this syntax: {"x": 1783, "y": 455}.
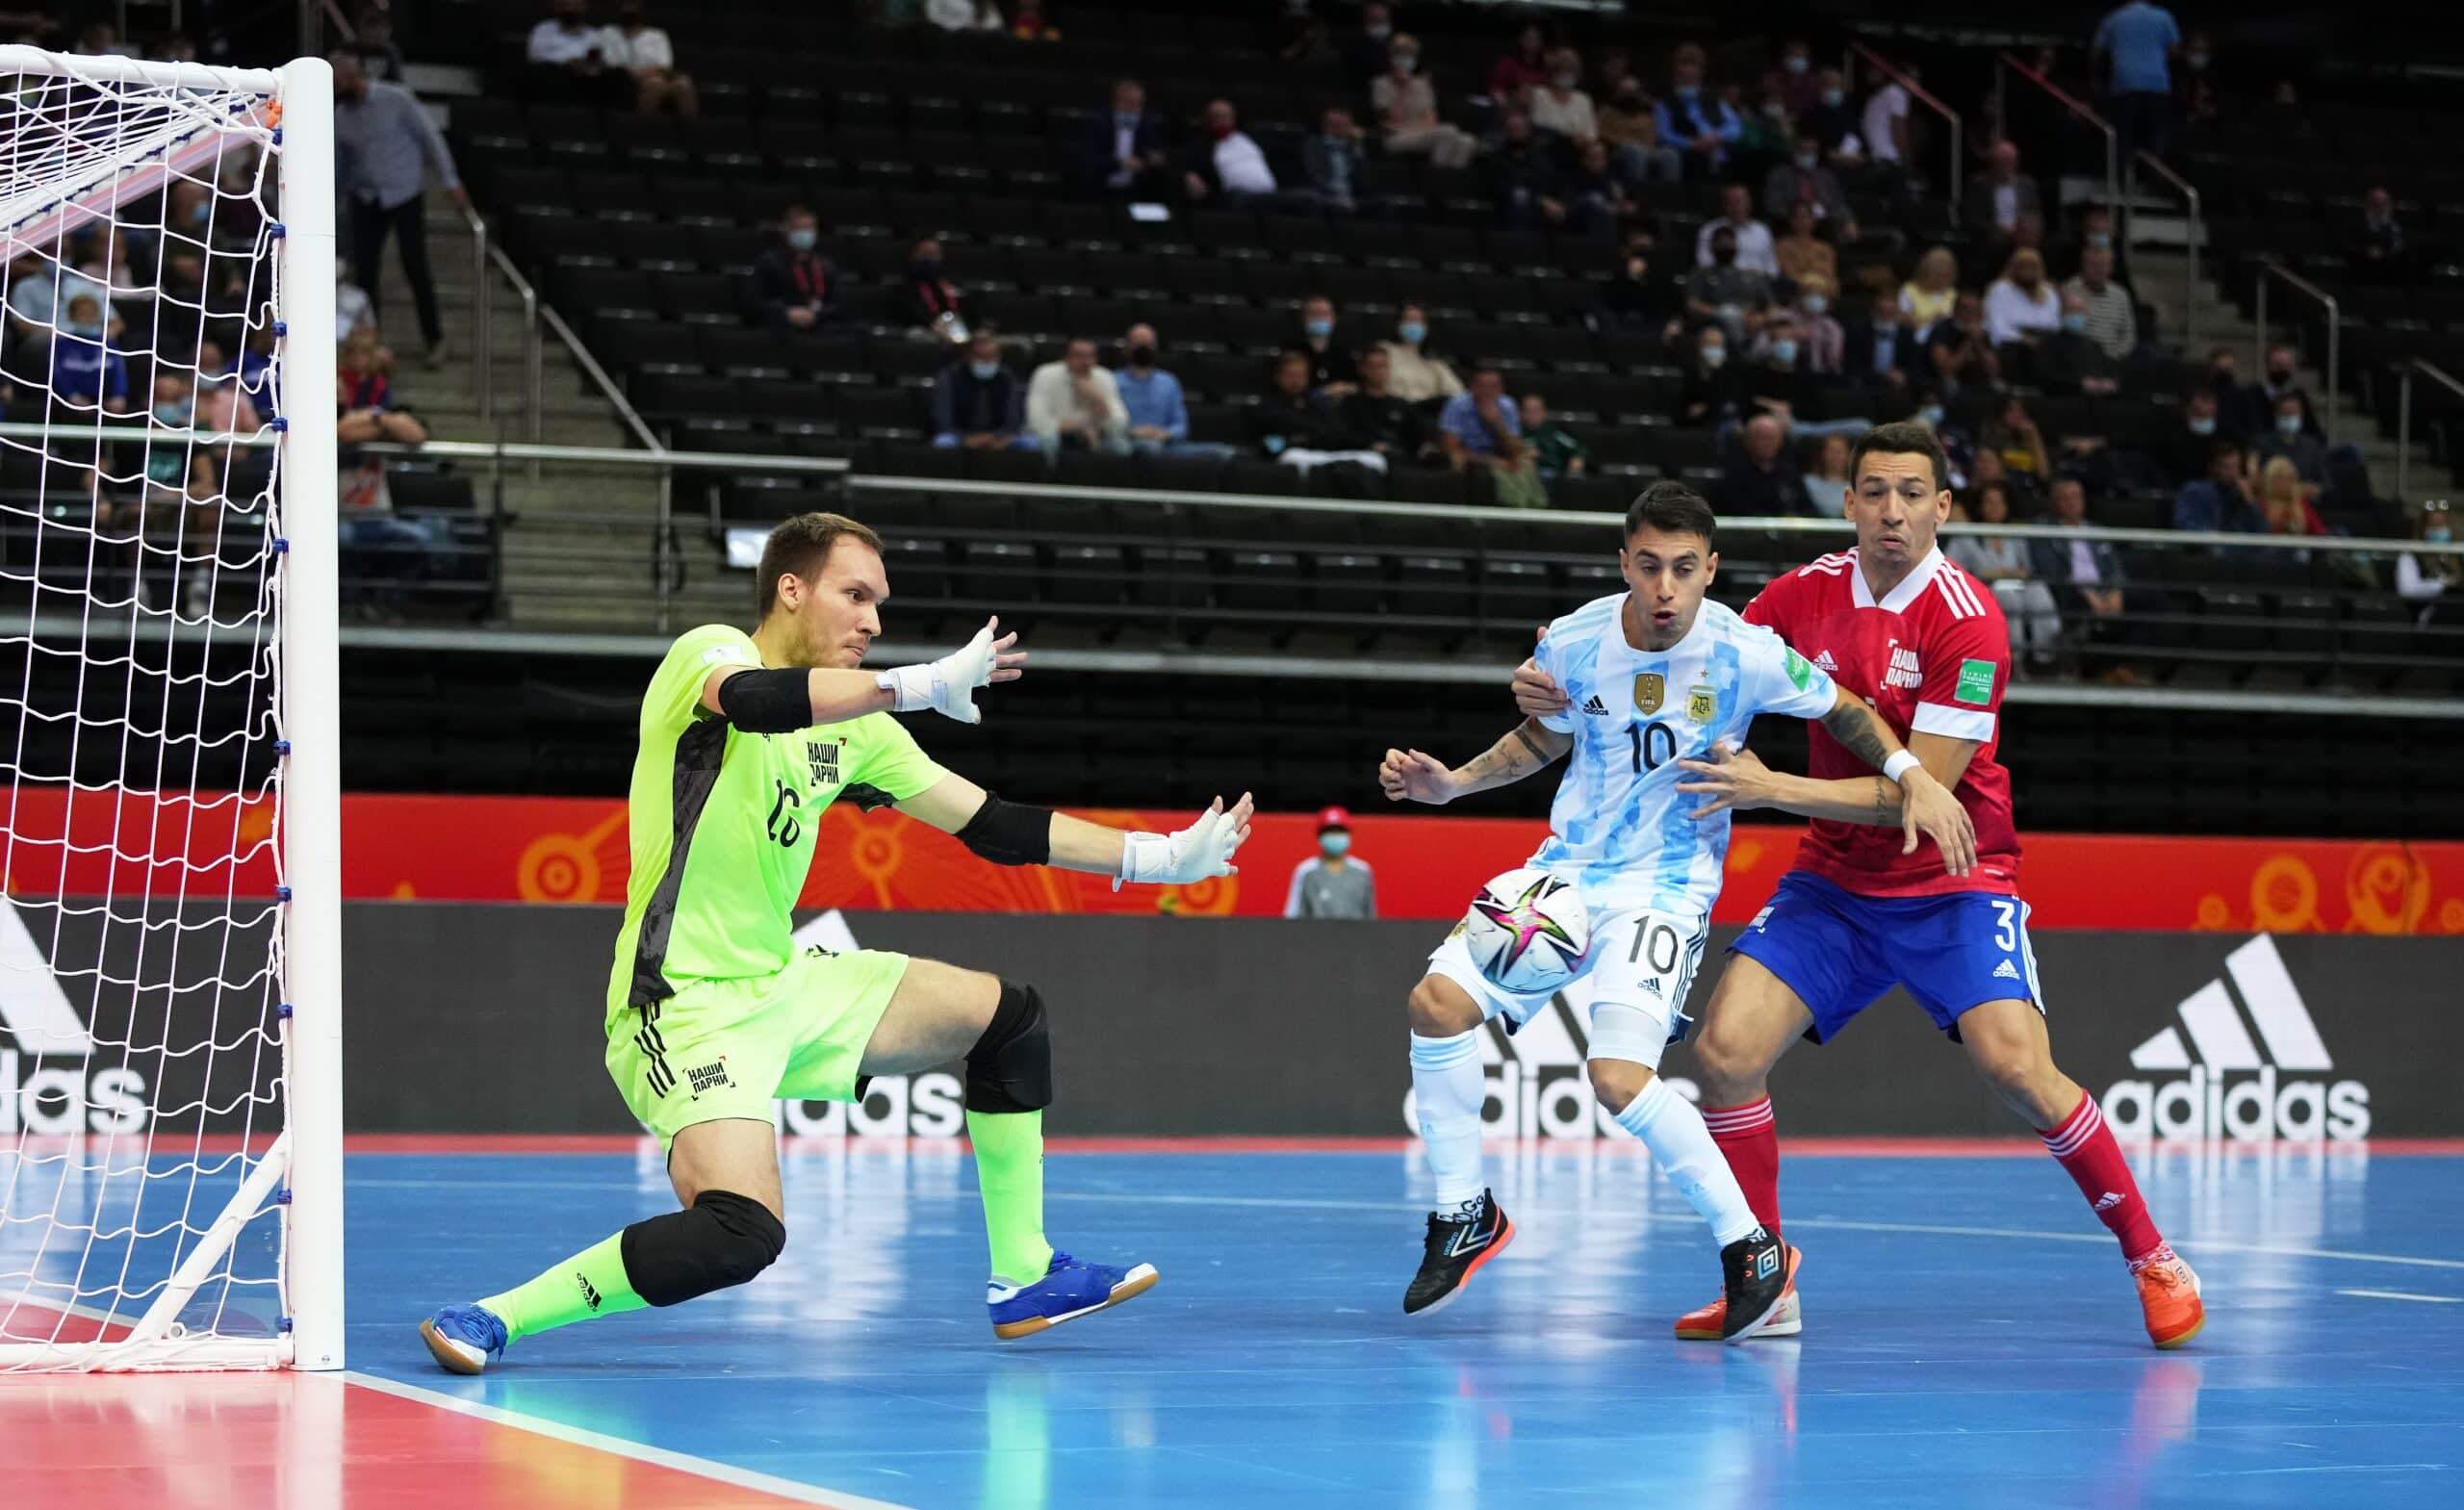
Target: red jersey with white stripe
{"x": 1932, "y": 657}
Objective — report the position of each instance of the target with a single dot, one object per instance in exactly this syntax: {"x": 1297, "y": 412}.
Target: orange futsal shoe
{"x": 1707, "y": 1324}
{"x": 2169, "y": 1292}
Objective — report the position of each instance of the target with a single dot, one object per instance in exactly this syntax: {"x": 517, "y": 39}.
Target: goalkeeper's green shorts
{"x": 721, "y": 1049}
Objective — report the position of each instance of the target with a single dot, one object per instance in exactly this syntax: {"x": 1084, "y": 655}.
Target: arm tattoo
{"x": 1886, "y": 801}
{"x": 1522, "y": 733}
{"x": 1858, "y": 731}
{"x": 1522, "y": 751}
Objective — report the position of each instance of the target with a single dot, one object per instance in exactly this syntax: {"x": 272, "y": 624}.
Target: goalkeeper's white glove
{"x": 1197, "y": 852}
{"x": 948, "y": 686}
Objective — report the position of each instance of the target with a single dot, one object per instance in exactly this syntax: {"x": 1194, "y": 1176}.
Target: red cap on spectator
{"x": 1334, "y": 818}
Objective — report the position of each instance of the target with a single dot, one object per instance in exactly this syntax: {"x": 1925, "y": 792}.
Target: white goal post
{"x": 171, "y": 981}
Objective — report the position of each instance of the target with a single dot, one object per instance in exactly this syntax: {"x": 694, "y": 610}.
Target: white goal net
{"x": 170, "y": 1049}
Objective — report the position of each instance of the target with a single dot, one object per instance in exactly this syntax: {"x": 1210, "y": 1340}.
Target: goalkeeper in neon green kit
{"x": 712, "y": 1015}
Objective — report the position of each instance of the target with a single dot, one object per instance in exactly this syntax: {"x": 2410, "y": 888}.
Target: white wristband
{"x": 1900, "y": 765}
{"x": 1143, "y": 857}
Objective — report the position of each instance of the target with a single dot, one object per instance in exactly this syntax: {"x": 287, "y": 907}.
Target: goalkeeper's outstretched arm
{"x": 1021, "y": 833}
{"x": 762, "y": 701}
{"x": 1410, "y": 775}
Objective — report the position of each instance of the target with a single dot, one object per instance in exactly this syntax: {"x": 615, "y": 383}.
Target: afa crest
{"x": 1703, "y": 705}
{"x": 1650, "y": 689}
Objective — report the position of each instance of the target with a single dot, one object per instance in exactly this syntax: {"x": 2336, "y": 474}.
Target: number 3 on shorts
{"x": 2006, "y": 934}
{"x": 2018, "y": 956}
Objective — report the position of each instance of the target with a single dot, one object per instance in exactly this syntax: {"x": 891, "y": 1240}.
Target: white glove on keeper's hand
{"x": 1197, "y": 852}
{"x": 948, "y": 686}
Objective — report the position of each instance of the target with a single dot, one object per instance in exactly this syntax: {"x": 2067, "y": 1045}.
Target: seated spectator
{"x": 1074, "y": 403}
{"x": 1749, "y": 236}
{"x": 1159, "y": 416}
{"x": 645, "y": 52}
{"x": 1826, "y": 476}
{"x": 1482, "y": 427}
{"x": 1557, "y": 452}
{"x": 1805, "y": 180}
{"x": 221, "y": 403}
{"x": 1332, "y": 161}
{"x": 1928, "y": 298}
{"x": 1801, "y": 254}
{"x": 175, "y": 407}
{"x": 1628, "y": 123}
{"x": 1405, "y": 104}
{"x": 2084, "y": 574}
{"x": 1958, "y": 351}
{"x": 1825, "y": 343}
{"x": 1876, "y": 346}
{"x": 2263, "y": 401}
{"x": 1122, "y": 153}
{"x": 963, "y": 15}
{"x": 2377, "y": 250}
{"x": 1558, "y": 104}
{"x": 1757, "y": 478}
{"x": 2012, "y": 433}
{"x": 977, "y": 402}
{"x": 2096, "y": 233}
{"x": 1527, "y": 67}
{"x": 931, "y": 305}
{"x": 1419, "y": 375}
{"x": 1830, "y": 121}
{"x": 1596, "y": 200}
{"x": 2182, "y": 455}
{"x": 2112, "y": 314}
{"x": 1298, "y": 425}
{"x": 1523, "y": 176}
{"x": 567, "y": 59}
{"x": 1737, "y": 299}
{"x": 1714, "y": 393}
{"x": 86, "y": 369}
{"x": 365, "y": 398}
{"x": 1367, "y": 47}
{"x": 1333, "y": 370}
{"x": 2008, "y": 566}
{"x": 2224, "y": 501}
{"x": 352, "y": 309}
{"x": 796, "y": 286}
{"x": 1777, "y": 382}
{"x": 2069, "y": 360}
{"x": 1885, "y": 122}
{"x": 1636, "y": 296}
{"x": 2021, "y": 306}
{"x": 1228, "y": 168}
{"x": 1792, "y": 82}
{"x": 2284, "y": 499}
{"x": 1378, "y": 417}
{"x": 2433, "y": 581}
{"x": 2289, "y": 439}
{"x": 1999, "y": 195}
{"x": 1693, "y": 120}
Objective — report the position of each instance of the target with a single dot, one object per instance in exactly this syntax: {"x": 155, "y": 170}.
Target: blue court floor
{"x": 1971, "y": 1338}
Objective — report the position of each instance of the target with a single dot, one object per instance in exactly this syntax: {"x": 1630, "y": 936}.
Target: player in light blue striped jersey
{"x": 1654, "y": 675}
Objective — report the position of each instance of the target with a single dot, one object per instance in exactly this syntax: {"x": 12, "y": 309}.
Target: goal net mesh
{"x": 142, "y": 1068}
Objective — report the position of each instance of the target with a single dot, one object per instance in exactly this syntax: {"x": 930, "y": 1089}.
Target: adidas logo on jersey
{"x": 1596, "y": 707}
{"x": 1822, "y": 658}
{"x": 2234, "y": 1087}
{"x": 2006, "y": 971}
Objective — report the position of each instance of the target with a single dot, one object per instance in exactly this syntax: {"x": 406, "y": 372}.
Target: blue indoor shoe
{"x": 1068, "y": 1291}
{"x": 464, "y": 1338}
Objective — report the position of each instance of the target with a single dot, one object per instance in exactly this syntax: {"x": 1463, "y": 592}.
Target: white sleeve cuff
{"x": 1952, "y": 722}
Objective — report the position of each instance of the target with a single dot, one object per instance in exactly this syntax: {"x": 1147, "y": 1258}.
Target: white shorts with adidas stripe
{"x": 1632, "y": 987}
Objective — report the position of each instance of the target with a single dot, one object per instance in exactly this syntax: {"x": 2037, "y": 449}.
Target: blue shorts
{"x": 1841, "y": 951}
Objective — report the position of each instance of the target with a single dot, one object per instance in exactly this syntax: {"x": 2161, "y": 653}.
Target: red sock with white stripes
{"x": 1749, "y": 1140}
{"x": 2086, "y": 1148}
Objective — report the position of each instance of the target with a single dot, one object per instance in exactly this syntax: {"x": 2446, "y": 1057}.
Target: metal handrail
{"x": 2335, "y": 327}
{"x": 2193, "y": 245}
{"x": 2005, "y": 64}
{"x": 1916, "y": 92}
{"x": 2404, "y": 416}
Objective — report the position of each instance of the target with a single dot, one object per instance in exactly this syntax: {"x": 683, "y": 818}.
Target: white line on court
{"x": 641, "y": 1452}
{"x": 2403, "y": 1294}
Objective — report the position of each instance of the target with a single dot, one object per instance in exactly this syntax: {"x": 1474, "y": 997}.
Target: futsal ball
{"x": 1527, "y": 932}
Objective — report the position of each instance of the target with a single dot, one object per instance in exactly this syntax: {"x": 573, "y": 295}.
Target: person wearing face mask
{"x": 1637, "y": 296}
{"x": 637, "y": 48}
{"x": 1825, "y": 342}
{"x": 1332, "y": 369}
{"x": 1830, "y": 121}
{"x": 1560, "y": 105}
{"x": 1364, "y": 47}
{"x": 1417, "y": 375}
{"x": 2138, "y": 40}
{"x": 1405, "y": 103}
{"x": 934, "y": 308}
{"x": 2109, "y": 315}
{"x": 1736, "y": 224}
{"x": 1714, "y": 393}
{"x": 1806, "y": 180}
{"x": 385, "y": 148}
{"x": 794, "y": 285}
{"x": 2223, "y": 500}
{"x": 2069, "y": 360}
{"x": 2434, "y": 580}
{"x": 2183, "y": 454}
{"x": 1719, "y": 290}
{"x": 1334, "y": 882}
{"x": 2289, "y": 438}
{"x": 2260, "y": 401}
{"x": 1693, "y": 118}
{"x": 1159, "y": 416}
{"x": 1959, "y": 352}
{"x": 1792, "y": 81}
{"x": 1630, "y": 128}
{"x": 977, "y": 403}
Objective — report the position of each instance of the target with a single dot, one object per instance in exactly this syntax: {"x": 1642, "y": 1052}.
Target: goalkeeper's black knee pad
{"x": 723, "y": 1239}
{"x": 1010, "y": 1068}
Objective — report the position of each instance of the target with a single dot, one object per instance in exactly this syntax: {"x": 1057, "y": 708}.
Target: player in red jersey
{"x": 1901, "y": 625}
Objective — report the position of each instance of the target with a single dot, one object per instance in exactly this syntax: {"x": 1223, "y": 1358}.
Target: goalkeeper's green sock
{"x": 592, "y": 1283}
{"x": 1009, "y": 1168}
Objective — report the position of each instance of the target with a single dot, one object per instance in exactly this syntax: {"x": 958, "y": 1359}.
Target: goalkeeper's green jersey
{"x": 721, "y": 823}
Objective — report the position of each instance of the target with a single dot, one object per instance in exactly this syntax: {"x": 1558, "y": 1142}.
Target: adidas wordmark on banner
{"x": 2229, "y": 1084}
